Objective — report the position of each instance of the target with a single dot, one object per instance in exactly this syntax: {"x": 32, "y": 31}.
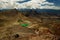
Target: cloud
{"x": 28, "y": 4}
{"x": 40, "y": 4}
{"x": 56, "y": 2}
{"x": 31, "y": 4}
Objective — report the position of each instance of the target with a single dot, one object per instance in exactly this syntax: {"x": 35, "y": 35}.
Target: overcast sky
{"x": 30, "y": 4}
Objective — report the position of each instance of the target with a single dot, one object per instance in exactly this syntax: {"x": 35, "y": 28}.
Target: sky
{"x": 30, "y": 4}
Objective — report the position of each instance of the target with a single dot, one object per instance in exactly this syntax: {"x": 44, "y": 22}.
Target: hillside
{"x": 16, "y": 25}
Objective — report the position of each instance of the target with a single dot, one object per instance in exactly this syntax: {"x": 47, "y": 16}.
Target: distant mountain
{"x": 39, "y": 11}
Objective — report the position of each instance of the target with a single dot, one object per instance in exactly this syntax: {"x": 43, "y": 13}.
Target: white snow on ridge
{"x": 33, "y": 4}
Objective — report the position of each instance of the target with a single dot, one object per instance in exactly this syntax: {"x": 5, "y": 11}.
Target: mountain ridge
{"x": 50, "y": 12}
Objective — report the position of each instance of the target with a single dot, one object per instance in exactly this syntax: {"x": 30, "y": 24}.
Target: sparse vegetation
{"x": 38, "y": 26}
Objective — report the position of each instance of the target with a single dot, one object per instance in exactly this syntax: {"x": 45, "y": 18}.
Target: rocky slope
{"x": 40, "y": 27}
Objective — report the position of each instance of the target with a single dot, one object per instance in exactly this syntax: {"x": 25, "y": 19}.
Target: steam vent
{"x": 29, "y": 25}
